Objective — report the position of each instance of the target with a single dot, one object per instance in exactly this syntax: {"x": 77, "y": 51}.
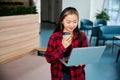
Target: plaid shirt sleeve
{"x": 55, "y": 48}
{"x": 84, "y": 40}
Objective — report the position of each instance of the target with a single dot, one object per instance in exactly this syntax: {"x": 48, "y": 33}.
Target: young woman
{"x": 66, "y": 37}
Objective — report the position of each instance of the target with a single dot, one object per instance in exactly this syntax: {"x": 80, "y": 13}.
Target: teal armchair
{"x": 97, "y": 24}
{"x": 86, "y": 24}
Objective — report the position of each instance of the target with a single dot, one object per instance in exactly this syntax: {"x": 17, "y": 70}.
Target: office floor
{"x": 106, "y": 69}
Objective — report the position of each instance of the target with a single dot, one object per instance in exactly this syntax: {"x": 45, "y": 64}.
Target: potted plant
{"x": 102, "y": 15}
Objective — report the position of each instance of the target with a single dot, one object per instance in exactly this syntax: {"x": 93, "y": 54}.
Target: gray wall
{"x": 50, "y": 10}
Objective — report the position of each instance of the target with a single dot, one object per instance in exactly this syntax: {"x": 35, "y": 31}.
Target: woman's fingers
{"x": 66, "y": 41}
{"x": 69, "y": 39}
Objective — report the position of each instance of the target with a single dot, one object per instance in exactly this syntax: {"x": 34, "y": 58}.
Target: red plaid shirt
{"x": 55, "y": 50}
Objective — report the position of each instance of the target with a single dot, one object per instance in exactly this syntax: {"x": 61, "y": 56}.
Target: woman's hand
{"x": 66, "y": 41}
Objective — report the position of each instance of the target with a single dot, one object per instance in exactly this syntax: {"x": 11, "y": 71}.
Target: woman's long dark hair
{"x": 65, "y": 12}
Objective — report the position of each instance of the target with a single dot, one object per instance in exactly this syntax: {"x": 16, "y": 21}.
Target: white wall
{"x": 83, "y": 7}
{"x": 86, "y": 8}
{"x": 37, "y": 3}
{"x": 96, "y": 5}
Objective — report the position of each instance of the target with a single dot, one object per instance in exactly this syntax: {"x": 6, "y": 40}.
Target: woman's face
{"x": 70, "y": 23}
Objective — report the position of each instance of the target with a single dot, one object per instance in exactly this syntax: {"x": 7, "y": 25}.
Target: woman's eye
{"x": 68, "y": 22}
{"x": 71, "y": 22}
{"x": 74, "y": 22}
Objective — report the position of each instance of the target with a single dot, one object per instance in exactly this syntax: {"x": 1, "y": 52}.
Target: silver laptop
{"x": 86, "y": 55}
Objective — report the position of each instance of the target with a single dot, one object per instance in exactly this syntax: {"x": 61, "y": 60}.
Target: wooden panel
{"x": 19, "y": 35}
{"x": 17, "y": 21}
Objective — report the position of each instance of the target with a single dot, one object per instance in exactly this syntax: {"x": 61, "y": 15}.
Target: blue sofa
{"x": 107, "y": 33}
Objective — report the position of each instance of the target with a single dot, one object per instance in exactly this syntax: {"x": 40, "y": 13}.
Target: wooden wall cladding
{"x": 19, "y": 35}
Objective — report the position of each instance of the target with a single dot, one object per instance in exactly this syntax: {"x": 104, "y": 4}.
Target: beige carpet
{"x": 29, "y": 67}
